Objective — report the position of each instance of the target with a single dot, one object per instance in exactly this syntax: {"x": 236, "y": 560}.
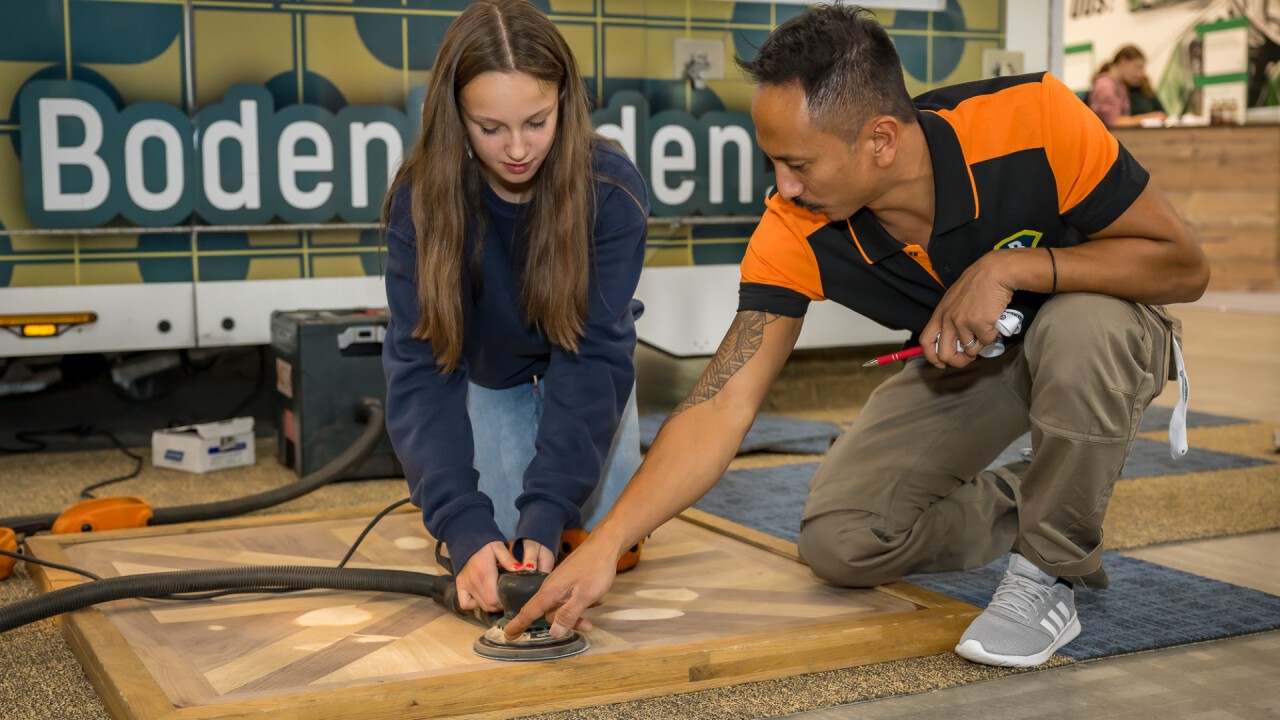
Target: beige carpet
{"x": 40, "y": 679}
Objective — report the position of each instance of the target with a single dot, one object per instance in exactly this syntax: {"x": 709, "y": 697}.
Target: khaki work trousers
{"x": 905, "y": 490}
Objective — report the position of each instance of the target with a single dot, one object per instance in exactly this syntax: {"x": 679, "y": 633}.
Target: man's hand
{"x": 478, "y": 582}
{"x": 966, "y": 317}
{"x": 691, "y": 452}
{"x": 580, "y": 582}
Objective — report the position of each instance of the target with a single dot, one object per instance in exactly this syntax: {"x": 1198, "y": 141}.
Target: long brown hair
{"x": 1126, "y": 53}
{"x": 500, "y": 36}
{"x": 1130, "y": 53}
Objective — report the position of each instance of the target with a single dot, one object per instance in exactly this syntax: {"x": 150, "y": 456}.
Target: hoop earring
{"x": 469, "y": 155}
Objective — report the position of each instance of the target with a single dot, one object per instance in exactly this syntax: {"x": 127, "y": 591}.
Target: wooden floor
{"x": 1233, "y": 679}
{"x": 1232, "y": 347}
{"x": 706, "y": 607}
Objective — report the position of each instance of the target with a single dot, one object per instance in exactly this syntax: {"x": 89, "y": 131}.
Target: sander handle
{"x": 514, "y": 590}
{"x": 446, "y": 595}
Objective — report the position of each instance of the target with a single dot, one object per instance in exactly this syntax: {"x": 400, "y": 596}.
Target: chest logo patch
{"x": 1020, "y": 239}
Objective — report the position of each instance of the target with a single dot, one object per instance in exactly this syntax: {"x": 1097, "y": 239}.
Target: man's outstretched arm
{"x": 691, "y": 452}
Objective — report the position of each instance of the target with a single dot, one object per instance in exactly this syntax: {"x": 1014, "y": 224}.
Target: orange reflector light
{"x": 40, "y": 325}
{"x": 42, "y": 330}
{"x": 48, "y": 319}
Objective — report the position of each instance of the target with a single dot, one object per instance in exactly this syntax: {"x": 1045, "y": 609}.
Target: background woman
{"x": 1109, "y": 96}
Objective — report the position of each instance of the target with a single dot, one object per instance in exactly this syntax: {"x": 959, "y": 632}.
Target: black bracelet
{"x": 1053, "y": 290}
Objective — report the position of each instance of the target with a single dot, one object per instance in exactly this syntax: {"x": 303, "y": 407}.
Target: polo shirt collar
{"x": 873, "y": 242}
{"x": 954, "y": 194}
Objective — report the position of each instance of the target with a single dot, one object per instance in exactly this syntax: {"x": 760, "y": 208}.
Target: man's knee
{"x": 843, "y": 548}
{"x": 1090, "y": 357}
{"x": 1086, "y": 324}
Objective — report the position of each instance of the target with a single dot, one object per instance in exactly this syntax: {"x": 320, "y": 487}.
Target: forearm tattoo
{"x": 740, "y": 345}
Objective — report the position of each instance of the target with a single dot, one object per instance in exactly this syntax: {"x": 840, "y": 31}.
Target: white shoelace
{"x": 1022, "y": 597}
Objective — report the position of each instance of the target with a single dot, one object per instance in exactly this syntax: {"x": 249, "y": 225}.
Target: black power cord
{"x": 341, "y": 563}
{"x": 34, "y": 444}
{"x": 190, "y": 367}
{"x": 50, "y": 564}
{"x": 369, "y": 528}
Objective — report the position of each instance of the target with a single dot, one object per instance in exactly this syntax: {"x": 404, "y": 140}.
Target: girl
{"x": 515, "y": 237}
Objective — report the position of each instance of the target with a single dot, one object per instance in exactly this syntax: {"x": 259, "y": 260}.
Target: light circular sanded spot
{"x": 411, "y": 543}
{"x": 344, "y": 615}
{"x": 673, "y": 594}
{"x": 643, "y": 614}
{"x": 216, "y": 628}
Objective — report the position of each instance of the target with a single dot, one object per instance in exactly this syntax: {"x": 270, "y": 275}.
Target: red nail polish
{"x": 528, "y": 566}
{"x": 515, "y": 566}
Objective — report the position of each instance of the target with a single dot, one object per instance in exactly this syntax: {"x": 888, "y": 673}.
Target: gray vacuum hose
{"x": 439, "y": 588}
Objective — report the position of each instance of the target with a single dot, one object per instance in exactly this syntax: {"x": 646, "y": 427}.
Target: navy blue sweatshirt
{"x": 584, "y": 393}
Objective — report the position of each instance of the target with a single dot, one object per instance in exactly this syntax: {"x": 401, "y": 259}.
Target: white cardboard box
{"x": 205, "y": 447}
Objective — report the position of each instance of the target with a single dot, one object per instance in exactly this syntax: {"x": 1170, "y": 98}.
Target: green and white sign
{"x": 242, "y": 161}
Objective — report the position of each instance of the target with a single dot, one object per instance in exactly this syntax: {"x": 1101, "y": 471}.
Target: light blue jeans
{"x": 505, "y": 424}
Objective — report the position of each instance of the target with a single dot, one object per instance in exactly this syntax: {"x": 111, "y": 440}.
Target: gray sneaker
{"x": 1029, "y": 618}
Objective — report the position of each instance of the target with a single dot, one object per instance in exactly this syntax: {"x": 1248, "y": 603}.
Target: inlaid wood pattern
{"x": 702, "y": 609}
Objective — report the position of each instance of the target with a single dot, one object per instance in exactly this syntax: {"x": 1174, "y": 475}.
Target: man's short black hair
{"x": 844, "y": 61}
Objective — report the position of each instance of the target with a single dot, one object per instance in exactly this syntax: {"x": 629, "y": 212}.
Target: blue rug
{"x": 1157, "y": 418}
{"x": 770, "y": 500}
{"x": 784, "y": 487}
{"x": 769, "y": 433}
{"x": 1150, "y": 458}
{"x": 774, "y": 433}
{"x": 1148, "y": 606}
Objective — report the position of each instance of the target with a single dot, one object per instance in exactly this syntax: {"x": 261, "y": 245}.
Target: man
{"x": 934, "y": 216}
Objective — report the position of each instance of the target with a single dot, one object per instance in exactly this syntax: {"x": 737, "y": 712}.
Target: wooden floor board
{"x": 703, "y": 609}
{"x": 1251, "y": 561}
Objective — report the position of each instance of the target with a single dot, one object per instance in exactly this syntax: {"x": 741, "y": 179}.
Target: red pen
{"x": 894, "y": 357}
{"x": 1007, "y": 325}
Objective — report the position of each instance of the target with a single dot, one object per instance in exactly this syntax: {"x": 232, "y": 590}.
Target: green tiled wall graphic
{"x": 336, "y": 53}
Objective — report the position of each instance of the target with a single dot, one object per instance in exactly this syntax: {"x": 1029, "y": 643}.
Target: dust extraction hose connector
{"x": 439, "y": 588}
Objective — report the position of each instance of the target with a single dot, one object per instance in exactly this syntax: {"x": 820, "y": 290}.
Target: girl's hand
{"x": 538, "y": 556}
{"x": 478, "y": 582}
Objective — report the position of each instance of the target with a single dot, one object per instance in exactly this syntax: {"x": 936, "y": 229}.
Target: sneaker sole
{"x": 973, "y": 651}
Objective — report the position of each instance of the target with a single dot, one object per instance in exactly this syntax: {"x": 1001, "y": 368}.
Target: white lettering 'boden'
{"x": 242, "y": 161}
{"x": 239, "y": 161}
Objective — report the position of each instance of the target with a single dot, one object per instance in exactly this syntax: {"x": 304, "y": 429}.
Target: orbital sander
{"x": 535, "y": 643}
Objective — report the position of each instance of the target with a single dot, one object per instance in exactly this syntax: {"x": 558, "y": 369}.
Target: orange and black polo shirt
{"x": 1017, "y": 162}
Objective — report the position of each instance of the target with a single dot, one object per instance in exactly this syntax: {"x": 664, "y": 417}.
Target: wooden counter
{"x": 1226, "y": 182}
